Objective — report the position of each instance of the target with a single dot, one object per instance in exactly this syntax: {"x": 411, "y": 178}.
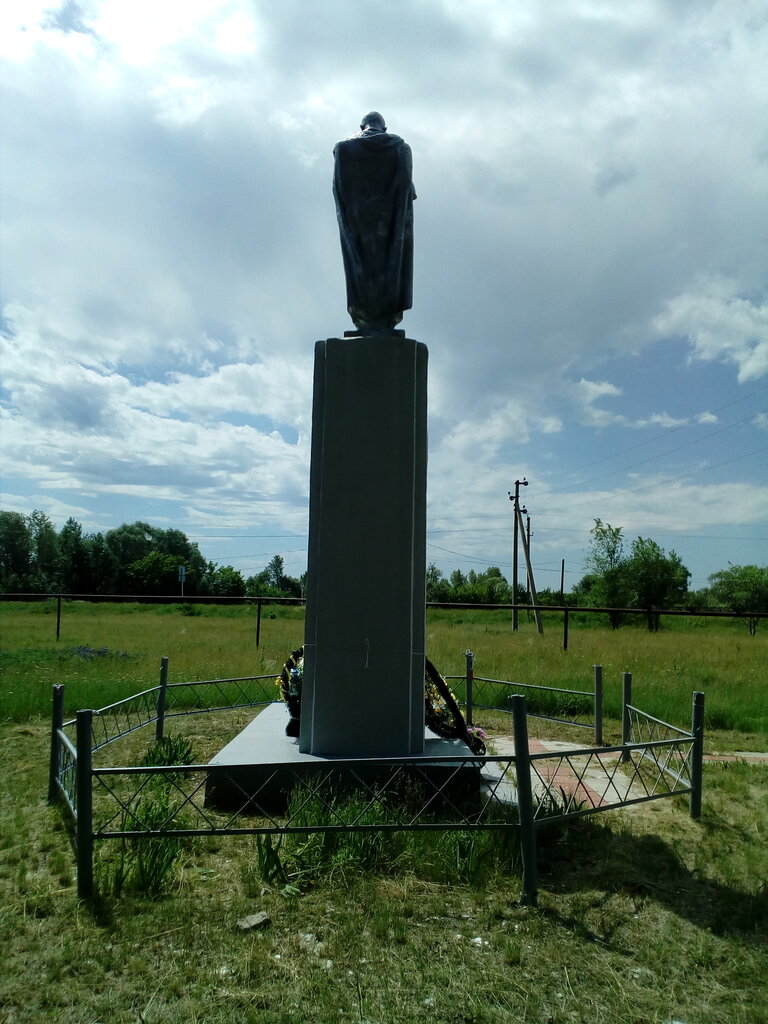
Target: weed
{"x": 271, "y": 869}
{"x": 169, "y": 750}
{"x": 144, "y": 864}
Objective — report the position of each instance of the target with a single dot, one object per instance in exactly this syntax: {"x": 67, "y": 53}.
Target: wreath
{"x": 290, "y": 680}
{"x": 442, "y": 714}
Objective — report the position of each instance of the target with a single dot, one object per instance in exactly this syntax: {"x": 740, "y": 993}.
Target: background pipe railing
{"x": 259, "y": 601}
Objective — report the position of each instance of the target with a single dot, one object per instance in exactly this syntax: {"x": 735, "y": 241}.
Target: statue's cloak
{"x": 374, "y": 204}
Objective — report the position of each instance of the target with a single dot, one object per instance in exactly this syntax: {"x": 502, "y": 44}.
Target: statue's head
{"x": 373, "y": 120}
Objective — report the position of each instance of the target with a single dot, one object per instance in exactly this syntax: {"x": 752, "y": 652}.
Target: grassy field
{"x": 644, "y": 915}
{"x": 110, "y": 651}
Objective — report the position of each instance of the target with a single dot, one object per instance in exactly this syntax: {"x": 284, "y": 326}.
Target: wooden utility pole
{"x": 516, "y": 499}
{"x": 531, "y": 584}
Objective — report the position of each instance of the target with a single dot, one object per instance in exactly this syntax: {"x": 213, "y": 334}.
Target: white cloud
{"x": 720, "y": 325}
{"x": 587, "y": 393}
{"x": 170, "y": 250}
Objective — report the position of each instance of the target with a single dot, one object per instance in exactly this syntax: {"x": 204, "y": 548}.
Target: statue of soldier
{"x": 374, "y": 204}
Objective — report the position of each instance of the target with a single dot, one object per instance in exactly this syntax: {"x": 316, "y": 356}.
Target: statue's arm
{"x": 409, "y": 167}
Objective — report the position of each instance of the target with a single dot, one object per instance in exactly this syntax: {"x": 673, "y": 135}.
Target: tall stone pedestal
{"x": 363, "y": 690}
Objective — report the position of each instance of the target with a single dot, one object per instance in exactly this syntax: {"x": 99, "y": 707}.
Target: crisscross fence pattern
{"x": 219, "y": 695}
{"x": 154, "y": 705}
{"x": 664, "y": 760}
{"x": 457, "y": 793}
{"x": 519, "y": 792}
{"x": 581, "y": 782}
{"x": 548, "y": 703}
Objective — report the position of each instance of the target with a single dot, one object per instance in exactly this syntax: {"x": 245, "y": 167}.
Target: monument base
{"x": 257, "y": 770}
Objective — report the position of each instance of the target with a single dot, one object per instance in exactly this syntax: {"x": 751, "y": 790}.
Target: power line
{"x": 671, "y": 430}
{"x": 674, "y": 479}
{"x": 652, "y": 458}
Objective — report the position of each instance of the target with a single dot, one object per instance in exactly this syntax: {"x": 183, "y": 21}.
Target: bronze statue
{"x": 374, "y": 205}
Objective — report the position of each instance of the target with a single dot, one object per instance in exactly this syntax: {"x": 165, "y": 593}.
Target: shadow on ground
{"x": 598, "y": 863}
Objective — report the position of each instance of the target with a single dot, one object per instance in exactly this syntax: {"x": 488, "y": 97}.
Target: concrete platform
{"x": 263, "y": 762}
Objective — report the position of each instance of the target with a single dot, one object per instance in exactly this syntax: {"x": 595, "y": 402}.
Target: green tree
{"x": 488, "y": 587}
{"x": 15, "y": 552}
{"x": 107, "y": 572}
{"x": 258, "y": 586}
{"x": 154, "y": 574}
{"x": 606, "y": 565}
{"x": 438, "y": 588}
{"x": 458, "y": 580}
{"x": 176, "y": 542}
{"x": 275, "y": 572}
{"x": 273, "y": 582}
{"x": 130, "y": 542}
{"x": 228, "y": 582}
{"x": 45, "y": 552}
{"x": 742, "y": 589}
{"x": 657, "y": 580}
{"x": 74, "y": 569}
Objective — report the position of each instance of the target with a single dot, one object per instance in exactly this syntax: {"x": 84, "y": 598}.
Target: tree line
{"x": 647, "y": 577}
{"x": 135, "y": 558}
{"x": 643, "y": 577}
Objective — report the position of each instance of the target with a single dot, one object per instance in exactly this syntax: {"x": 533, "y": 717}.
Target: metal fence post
{"x": 161, "y": 695}
{"x": 598, "y": 705}
{"x": 470, "y": 680}
{"x": 84, "y": 833}
{"x": 528, "y": 896}
{"x": 565, "y": 630}
{"x": 626, "y": 724}
{"x": 58, "y": 618}
{"x": 697, "y": 753}
{"x": 57, "y": 720}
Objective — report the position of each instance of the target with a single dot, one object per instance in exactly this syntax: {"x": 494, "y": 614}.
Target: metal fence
{"x": 518, "y": 792}
{"x": 496, "y": 695}
{"x": 259, "y": 603}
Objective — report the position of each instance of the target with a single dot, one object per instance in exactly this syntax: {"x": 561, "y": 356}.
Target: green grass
{"x": 644, "y": 915}
{"x": 715, "y": 656}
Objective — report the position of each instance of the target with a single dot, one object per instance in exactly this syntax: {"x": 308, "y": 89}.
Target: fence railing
{"x": 496, "y": 694}
{"x": 259, "y": 603}
{"x": 519, "y": 792}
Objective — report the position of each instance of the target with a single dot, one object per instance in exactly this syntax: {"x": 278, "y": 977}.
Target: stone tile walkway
{"x": 595, "y": 779}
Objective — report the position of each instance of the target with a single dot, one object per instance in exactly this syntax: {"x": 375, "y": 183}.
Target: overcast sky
{"x": 590, "y": 265}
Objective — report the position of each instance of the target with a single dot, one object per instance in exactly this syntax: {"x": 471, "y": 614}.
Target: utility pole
{"x": 531, "y": 584}
{"x": 517, "y": 511}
